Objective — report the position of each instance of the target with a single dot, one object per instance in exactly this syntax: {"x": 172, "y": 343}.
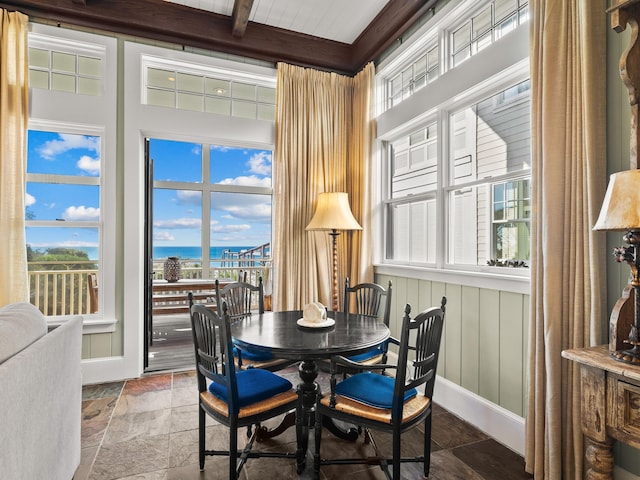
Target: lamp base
{"x": 631, "y": 355}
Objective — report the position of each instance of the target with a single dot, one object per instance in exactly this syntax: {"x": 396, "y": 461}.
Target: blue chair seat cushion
{"x": 255, "y": 355}
{"x": 254, "y": 385}
{"x": 363, "y": 357}
{"x": 371, "y": 389}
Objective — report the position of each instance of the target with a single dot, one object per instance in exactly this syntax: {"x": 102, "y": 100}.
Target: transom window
{"x": 54, "y": 66}
{"x": 414, "y": 77}
{"x": 200, "y": 92}
{"x": 495, "y": 20}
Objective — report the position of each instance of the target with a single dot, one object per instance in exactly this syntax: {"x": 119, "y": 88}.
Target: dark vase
{"x": 172, "y": 269}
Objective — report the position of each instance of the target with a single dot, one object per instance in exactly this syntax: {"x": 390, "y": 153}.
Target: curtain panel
{"x": 324, "y": 128}
{"x": 14, "y": 115}
{"x": 568, "y": 59}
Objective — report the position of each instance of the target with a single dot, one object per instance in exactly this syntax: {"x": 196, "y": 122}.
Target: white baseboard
{"x": 497, "y": 422}
{"x": 107, "y": 369}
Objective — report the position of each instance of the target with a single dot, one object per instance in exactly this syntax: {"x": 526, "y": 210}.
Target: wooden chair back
{"x": 367, "y": 298}
{"x": 241, "y": 298}
{"x": 421, "y": 336}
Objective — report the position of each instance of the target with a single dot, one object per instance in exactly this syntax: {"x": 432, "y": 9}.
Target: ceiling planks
{"x": 240, "y": 17}
{"x": 169, "y": 22}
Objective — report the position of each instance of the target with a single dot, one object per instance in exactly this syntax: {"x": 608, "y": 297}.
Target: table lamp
{"x": 333, "y": 213}
{"x": 621, "y": 211}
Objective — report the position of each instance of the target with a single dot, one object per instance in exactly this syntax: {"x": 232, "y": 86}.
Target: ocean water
{"x": 184, "y": 253}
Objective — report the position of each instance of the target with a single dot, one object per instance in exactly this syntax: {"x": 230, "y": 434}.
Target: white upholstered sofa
{"x": 40, "y": 395}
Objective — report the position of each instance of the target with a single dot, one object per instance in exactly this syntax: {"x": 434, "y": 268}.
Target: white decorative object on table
{"x": 314, "y": 315}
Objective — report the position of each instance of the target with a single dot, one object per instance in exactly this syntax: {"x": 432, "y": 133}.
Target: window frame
{"x": 148, "y": 121}
{"x": 59, "y": 111}
{"x": 500, "y": 65}
{"x": 234, "y": 79}
{"x": 206, "y": 187}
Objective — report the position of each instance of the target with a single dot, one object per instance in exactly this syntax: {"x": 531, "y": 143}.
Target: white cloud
{"x": 89, "y": 165}
{"x": 257, "y": 211}
{"x": 67, "y": 142}
{"x": 260, "y": 163}
{"x": 251, "y": 181}
{"x": 221, "y": 148}
{"x": 189, "y": 197}
{"x": 81, "y": 213}
{"x": 162, "y": 237}
{"x": 230, "y": 228}
{"x": 178, "y": 223}
{"x": 29, "y": 200}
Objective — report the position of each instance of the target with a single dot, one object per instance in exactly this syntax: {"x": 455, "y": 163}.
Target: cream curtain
{"x": 568, "y": 50}
{"x": 14, "y": 101}
{"x": 323, "y": 135}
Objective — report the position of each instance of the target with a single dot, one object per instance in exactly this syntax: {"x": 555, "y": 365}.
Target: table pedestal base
{"x": 308, "y": 393}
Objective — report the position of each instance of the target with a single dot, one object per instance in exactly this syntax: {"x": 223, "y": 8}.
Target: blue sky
{"x": 236, "y": 218}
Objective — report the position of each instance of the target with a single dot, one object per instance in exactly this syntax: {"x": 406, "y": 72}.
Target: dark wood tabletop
{"x": 278, "y": 333}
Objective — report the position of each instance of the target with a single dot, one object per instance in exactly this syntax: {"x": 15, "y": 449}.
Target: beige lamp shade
{"x": 621, "y": 206}
{"x": 333, "y": 213}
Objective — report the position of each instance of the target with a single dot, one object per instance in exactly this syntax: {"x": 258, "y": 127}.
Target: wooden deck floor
{"x": 172, "y": 347}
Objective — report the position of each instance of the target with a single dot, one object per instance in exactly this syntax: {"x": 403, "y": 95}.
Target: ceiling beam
{"x": 168, "y": 22}
{"x": 393, "y": 20}
{"x": 240, "y": 17}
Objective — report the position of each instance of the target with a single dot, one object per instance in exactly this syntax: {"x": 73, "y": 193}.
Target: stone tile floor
{"x": 146, "y": 429}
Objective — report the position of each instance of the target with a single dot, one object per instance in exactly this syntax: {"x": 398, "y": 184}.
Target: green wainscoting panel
{"x": 453, "y": 334}
{"x": 86, "y": 347}
{"x": 526, "y": 315}
{"x": 100, "y": 345}
{"x": 469, "y": 339}
{"x": 438, "y": 290}
{"x": 485, "y": 340}
{"x": 489, "y": 361}
{"x": 511, "y": 352}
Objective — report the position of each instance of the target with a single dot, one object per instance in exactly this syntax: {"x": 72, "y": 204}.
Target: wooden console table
{"x": 610, "y": 404}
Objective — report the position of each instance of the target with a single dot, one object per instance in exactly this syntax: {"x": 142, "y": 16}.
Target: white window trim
{"x": 140, "y": 121}
{"x": 84, "y": 114}
{"x": 474, "y": 78}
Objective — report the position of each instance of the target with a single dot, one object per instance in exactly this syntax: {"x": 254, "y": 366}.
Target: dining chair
{"x": 242, "y": 298}
{"x": 233, "y": 398}
{"x": 373, "y": 401}
{"x": 366, "y": 299}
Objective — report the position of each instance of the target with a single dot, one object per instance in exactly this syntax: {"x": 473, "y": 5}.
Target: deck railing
{"x": 63, "y": 291}
{"x": 62, "y": 288}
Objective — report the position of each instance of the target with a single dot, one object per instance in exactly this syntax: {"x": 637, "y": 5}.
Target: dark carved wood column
{"x": 625, "y": 13}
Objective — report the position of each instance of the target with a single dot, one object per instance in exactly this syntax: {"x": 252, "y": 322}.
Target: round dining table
{"x": 280, "y": 334}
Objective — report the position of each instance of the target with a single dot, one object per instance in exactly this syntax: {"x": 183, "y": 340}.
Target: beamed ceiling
{"x": 235, "y": 33}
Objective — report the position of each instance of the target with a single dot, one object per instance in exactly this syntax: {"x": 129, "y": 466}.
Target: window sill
{"x": 90, "y": 325}
{"x": 520, "y": 283}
